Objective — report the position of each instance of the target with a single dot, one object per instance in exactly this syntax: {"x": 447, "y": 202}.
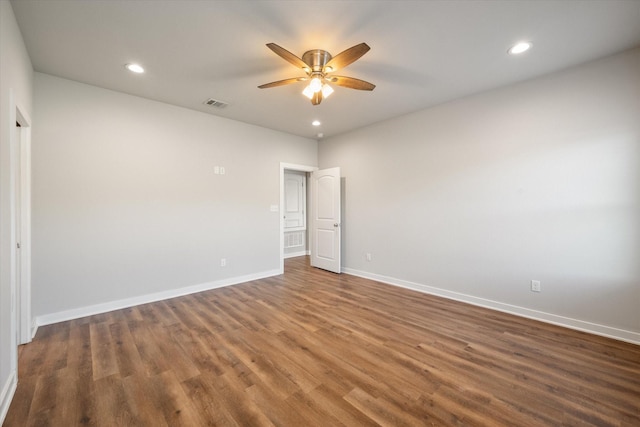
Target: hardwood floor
{"x": 311, "y": 348}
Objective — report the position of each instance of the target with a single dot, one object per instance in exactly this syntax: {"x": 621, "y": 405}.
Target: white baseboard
{"x": 34, "y": 328}
{"x": 77, "y": 313}
{"x": 8, "y": 390}
{"x": 580, "y": 325}
{"x": 296, "y": 254}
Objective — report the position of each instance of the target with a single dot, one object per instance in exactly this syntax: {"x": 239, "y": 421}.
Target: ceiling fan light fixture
{"x": 315, "y": 84}
{"x": 326, "y": 90}
{"x": 317, "y": 98}
{"x": 316, "y": 63}
{"x": 308, "y": 92}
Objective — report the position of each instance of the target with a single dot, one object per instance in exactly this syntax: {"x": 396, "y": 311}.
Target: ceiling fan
{"x": 319, "y": 64}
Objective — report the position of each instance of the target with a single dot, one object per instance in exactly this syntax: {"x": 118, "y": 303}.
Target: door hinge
{"x": 18, "y": 245}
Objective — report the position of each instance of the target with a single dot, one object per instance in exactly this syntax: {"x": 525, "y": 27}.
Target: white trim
{"x": 8, "y": 390}
{"x": 34, "y": 328}
{"x": 296, "y": 254}
{"x": 77, "y": 313}
{"x": 567, "y": 322}
{"x": 292, "y": 167}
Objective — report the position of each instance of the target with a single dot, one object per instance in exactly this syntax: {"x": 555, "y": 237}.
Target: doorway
{"x": 294, "y": 214}
{"x": 323, "y": 215}
{"x": 21, "y": 227}
{"x": 293, "y": 223}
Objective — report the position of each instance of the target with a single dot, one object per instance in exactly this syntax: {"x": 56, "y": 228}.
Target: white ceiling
{"x": 422, "y": 53}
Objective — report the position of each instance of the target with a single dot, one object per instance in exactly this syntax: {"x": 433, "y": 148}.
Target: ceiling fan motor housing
{"x": 316, "y": 59}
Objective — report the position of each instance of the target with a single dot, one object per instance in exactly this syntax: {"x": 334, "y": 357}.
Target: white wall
{"x": 475, "y": 198}
{"x": 126, "y": 202}
{"x": 16, "y": 75}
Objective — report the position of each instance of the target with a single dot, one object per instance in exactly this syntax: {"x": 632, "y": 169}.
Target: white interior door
{"x": 325, "y": 227}
{"x": 16, "y": 288}
{"x": 21, "y": 286}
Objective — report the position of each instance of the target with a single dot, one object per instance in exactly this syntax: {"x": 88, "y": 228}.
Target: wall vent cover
{"x": 293, "y": 239}
{"x": 216, "y": 103}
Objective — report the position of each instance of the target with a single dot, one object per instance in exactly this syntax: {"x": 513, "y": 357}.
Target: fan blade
{"x": 351, "y": 83}
{"x": 288, "y": 56}
{"x": 282, "y": 82}
{"x": 317, "y": 98}
{"x": 345, "y": 58}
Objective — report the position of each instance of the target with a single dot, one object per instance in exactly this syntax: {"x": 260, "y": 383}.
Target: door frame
{"x": 291, "y": 167}
{"x": 24, "y": 327}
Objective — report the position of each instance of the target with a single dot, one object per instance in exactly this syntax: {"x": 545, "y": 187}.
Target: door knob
{"x": 336, "y": 224}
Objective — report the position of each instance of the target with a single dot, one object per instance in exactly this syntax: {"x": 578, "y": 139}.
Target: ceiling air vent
{"x": 215, "y": 103}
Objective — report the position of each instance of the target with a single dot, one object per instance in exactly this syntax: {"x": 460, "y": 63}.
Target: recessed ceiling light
{"x": 135, "y": 68}
{"x": 519, "y": 48}
{"x": 315, "y": 123}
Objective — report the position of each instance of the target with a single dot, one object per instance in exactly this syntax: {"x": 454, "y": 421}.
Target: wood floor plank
{"x": 278, "y": 411}
{"x": 25, "y": 393}
{"x": 79, "y": 376}
{"x": 207, "y": 400}
{"x": 315, "y": 348}
{"x": 140, "y": 397}
{"x": 381, "y": 411}
{"x": 332, "y": 402}
{"x": 286, "y": 366}
{"x": 177, "y": 408}
{"x": 314, "y": 412}
{"x": 204, "y": 360}
{"x": 44, "y": 400}
{"x": 152, "y": 358}
{"x": 243, "y": 410}
{"x": 70, "y": 408}
{"x": 111, "y": 404}
{"x": 103, "y": 353}
{"x": 260, "y": 365}
{"x": 126, "y": 353}
{"x": 182, "y": 364}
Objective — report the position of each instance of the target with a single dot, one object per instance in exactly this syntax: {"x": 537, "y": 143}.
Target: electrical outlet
{"x": 535, "y": 286}
{"x": 223, "y": 262}
{"x": 368, "y": 257}
{"x": 216, "y": 170}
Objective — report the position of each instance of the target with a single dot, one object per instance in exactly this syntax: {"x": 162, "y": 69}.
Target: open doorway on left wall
{"x": 21, "y": 227}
